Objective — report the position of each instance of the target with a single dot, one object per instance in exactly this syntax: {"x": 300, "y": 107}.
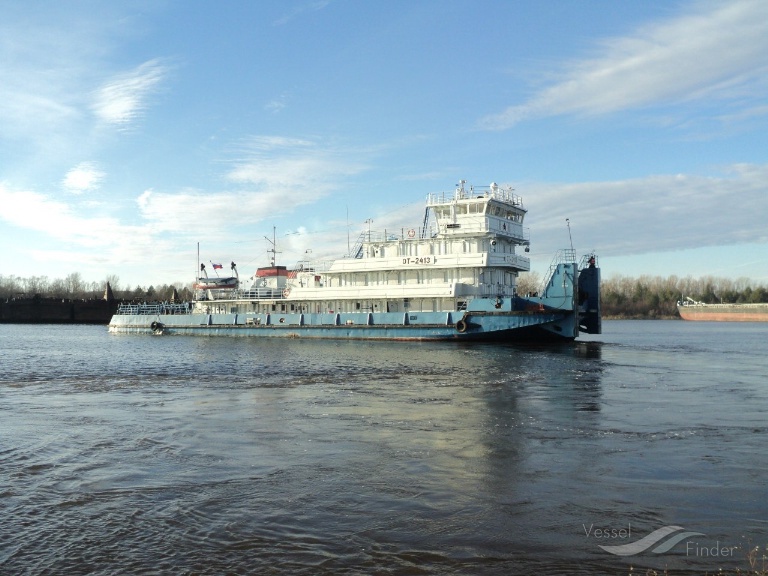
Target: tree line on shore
{"x": 74, "y": 287}
{"x": 657, "y": 297}
{"x": 623, "y": 297}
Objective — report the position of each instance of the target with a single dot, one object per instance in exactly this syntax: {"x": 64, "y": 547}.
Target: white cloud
{"x": 52, "y": 54}
{"x": 85, "y": 177}
{"x": 273, "y": 175}
{"x": 218, "y": 215}
{"x": 122, "y": 100}
{"x": 35, "y": 211}
{"x": 718, "y": 52}
{"x": 652, "y": 214}
{"x": 64, "y": 238}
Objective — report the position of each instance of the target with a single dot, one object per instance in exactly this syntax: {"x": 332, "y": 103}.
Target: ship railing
{"x": 260, "y": 294}
{"x": 496, "y": 290}
{"x": 507, "y": 229}
{"x": 505, "y": 195}
{"x": 321, "y": 265}
{"x": 562, "y": 256}
{"x": 588, "y": 260}
{"x": 378, "y": 237}
{"x": 311, "y": 267}
{"x": 154, "y": 308}
{"x": 517, "y": 261}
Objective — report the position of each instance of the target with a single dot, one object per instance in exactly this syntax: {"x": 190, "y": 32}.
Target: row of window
{"x": 445, "y": 247}
{"x": 445, "y": 276}
{"x": 449, "y": 212}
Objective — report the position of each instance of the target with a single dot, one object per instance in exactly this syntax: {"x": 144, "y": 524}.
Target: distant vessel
{"x": 452, "y": 277}
{"x": 38, "y": 309}
{"x": 690, "y": 309}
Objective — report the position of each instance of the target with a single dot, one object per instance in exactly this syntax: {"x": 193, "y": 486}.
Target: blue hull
{"x": 473, "y": 325}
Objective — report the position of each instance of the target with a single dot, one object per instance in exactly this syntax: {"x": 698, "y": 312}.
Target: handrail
{"x": 563, "y": 255}
{"x": 505, "y": 195}
{"x": 154, "y": 308}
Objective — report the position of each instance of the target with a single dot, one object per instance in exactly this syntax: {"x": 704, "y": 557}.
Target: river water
{"x": 125, "y": 454}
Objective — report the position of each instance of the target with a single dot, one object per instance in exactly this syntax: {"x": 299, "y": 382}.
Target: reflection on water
{"x": 126, "y": 454}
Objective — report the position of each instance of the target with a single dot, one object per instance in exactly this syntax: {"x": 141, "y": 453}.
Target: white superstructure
{"x": 466, "y": 248}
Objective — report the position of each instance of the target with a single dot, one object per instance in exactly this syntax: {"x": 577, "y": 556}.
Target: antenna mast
{"x": 568, "y": 223}
{"x": 272, "y": 250}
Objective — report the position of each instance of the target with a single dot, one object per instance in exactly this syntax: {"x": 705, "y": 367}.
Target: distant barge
{"x": 39, "y": 309}
{"x": 690, "y": 309}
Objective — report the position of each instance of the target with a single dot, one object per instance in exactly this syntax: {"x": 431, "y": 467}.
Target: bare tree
{"x": 74, "y": 285}
{"x": 57, "y": 288}
{"x": 37, "y": 285}
{"x": 528, "y": 283}
{"x": 9, "y": 286}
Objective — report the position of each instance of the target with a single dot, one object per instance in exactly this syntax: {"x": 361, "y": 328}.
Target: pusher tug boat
{"x": 452, "y": 277}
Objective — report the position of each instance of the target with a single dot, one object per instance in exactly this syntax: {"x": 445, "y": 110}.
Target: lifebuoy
{"x": 411, "y": 233}
{"x": 286, "y": 292}
{"x": 461, "y": 326}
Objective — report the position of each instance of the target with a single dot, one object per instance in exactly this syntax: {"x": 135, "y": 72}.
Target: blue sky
{"x": 131, "y": 131}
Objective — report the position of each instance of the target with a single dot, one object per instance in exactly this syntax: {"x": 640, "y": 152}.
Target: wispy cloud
{"x": 276, "y": 105}
{"x": 85, "y": 177}
{"x": 42, "y": 73}
{"x": 653, "y": 214}
{"x": 292, "y": 164}
{"x": 300, "y": 10}
{"x": 302, "y": 171}
{"x": 123, "y": 98}
{"x": 271, "y": 175}
{"x": 717, "y": 52}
